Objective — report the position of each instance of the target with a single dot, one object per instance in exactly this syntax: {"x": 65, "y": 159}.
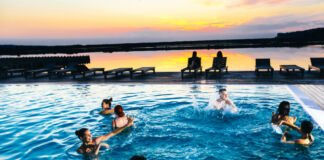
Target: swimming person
{"x": 92, "y": 146}
{"x": 305, "y": 130}
{"x": 283, "y": 114}
{"x": 121, "y": 119}
{"x": 223, "y": 102}
{"x": 106, "y": 106}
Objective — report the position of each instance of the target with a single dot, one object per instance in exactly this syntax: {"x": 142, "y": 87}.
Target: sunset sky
{"x": 119, "y": 21}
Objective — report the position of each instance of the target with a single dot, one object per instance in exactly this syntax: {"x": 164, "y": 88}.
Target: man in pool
{"x": 92, "y": 146}
{"x": 222, "y": 102}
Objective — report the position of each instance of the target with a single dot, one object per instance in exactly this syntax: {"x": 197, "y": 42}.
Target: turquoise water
{"x": 171, "y": 122}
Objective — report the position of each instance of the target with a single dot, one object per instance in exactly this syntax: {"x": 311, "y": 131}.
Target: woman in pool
{"x": 92, "y": 146}
{"x": 305, "y": 130}
{"x": 283, "y": 115}
{"x": 222, "y": 102}
{"x": 106, "y": 106}
{"x": 121, "y": 119}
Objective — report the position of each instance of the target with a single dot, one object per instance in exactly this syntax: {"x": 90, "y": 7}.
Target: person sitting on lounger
{"x": 106, "y": 106}
{"x": 92, "y": 146}
{"x": 121, "y": 119}
{"x": 223, "y": 102}
{"x": 195, "y": 61}
{"x": 305, "y": 130}
{"x": 282, "y": 115}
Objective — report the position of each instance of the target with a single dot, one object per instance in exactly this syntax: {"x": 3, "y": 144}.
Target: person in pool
{"x": 121, "y": 119}
{"x": 92, "y": 146}
{"x": 305, "y": 130}
{"x": 223, "y": 101}
{"x": 283, "y": 115}
{"x": 106, "y": 106}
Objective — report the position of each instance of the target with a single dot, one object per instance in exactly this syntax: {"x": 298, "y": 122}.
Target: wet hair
{"x": 107, "y": 101}
{"x": 306, "y": 127}
{"x": 138, "y": 157}
{"x": 80, "y": 132}
{"x": 194, "y": 54}
{"x": 219, "y": 54}
{"x": 119, "y": 110}
{"x": 221, "y": 90}
{"x": 284, "y": 108}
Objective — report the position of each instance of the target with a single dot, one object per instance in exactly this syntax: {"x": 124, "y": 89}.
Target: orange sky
{"x": 146, "y": 20}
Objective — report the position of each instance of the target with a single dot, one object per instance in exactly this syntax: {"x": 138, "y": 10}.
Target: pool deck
{"x": 311, "y": 97}
{"x": 232, "y": 77}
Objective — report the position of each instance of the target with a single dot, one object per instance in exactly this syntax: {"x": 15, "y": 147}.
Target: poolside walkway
{"x": 311, "y": 97}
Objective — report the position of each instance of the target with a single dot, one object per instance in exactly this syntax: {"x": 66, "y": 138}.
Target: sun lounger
{"x": 218, "y": 64}
{"x": 48, "y": 68}
{"x": 195, "y": 69}
{"x": 292, "y": 69}
{"x": 263, "y": 64}
{"x": 82, "y": 69}
{"x": 63, "y": 72}
{"x": 317, "y": 64}
{"x": 144, "y": 70}
{"x": 21, "y": 71}
{"x": 118, "y": 71}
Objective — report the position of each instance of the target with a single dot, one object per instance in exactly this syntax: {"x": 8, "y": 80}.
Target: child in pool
{"x": 305, "y": 130}
{"x": 283, "y": 115}
{"x": 223, "y": 101}
{"x": 92, "y": 146}
{"x": 106, "y": 107}
{"x": 121, "y": 119}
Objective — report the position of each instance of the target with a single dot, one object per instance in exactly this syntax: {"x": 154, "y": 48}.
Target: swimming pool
{"x": 37, "y": 121}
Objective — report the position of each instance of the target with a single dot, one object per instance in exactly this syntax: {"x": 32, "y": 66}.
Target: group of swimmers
{"x": 282, "y": 118}
{"x": 93, "y": 145}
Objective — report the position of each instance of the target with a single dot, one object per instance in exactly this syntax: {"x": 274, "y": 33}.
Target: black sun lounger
{"x": 218, "y": 64}
{"x": 318, "y": 65}
{"x": 118, "y": 71}
{"x": 263, "y": 64}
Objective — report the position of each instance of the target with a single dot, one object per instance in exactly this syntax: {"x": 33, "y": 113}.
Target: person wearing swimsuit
{"x": 106, "y": 107}
{"x": 121, "y": 119}
{"x": 223, "y": 101}
{"x": 92, "y": 146}
{"x": 305, "y": 130}
{"x": 282, "y": 114}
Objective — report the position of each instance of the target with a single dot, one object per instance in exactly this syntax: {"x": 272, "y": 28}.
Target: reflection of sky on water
{"x": 238, "y": 59}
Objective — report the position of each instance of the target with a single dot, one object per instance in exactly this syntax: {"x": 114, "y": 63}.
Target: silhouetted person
{"x": 219, "y": 54}
{"x": 194, "y": 62}
{"x": 138, "y": 157}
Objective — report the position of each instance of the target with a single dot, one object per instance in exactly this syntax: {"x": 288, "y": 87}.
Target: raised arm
{"x": 291, "y": 126}
{"x": 107, "y": 136}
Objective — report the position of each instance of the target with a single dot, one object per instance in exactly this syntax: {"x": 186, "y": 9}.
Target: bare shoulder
{"x": 106, "y": 112}
{"x": 80, "y": 150}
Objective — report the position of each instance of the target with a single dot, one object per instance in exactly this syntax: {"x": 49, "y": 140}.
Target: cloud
{"x": 256, "y": 2}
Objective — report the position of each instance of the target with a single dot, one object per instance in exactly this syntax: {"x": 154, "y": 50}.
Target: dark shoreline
{"x": 157, "y": 46}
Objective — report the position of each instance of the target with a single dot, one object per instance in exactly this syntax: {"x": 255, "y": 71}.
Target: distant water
{"x": 237, "y": 59}
{"x": 37, "y": 121}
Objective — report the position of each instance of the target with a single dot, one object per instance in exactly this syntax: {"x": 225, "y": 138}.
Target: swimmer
{"x": 223, "y": 101}
{"x": 121, "y": 119}
{"x": 92, "y": 146}
{"x": 106, "y": 107}
{"x": 282, "y": 115}
{"x": 305, "y": 130}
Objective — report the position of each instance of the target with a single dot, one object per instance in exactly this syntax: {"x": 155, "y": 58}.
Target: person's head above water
{"x": 106, "y": 103}
{"x": 284, "y": 108}
{"x": 138, "y": 157}
{"x": 194, "y": 54}
{"x": 222, "y": 93}
{"x": 84, "y": 134}
{"x": 119, "y": 111}
{"x": 306, "y": 127}
{"x": 219, "y": 54}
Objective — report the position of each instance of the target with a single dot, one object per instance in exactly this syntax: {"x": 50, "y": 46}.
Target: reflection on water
{"x": 238, "y": 59}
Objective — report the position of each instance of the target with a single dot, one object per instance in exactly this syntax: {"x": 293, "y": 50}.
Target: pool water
{"x": 37, "y": 121}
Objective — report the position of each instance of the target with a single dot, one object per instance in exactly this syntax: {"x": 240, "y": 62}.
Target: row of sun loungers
{"x": 261, "y": 65}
